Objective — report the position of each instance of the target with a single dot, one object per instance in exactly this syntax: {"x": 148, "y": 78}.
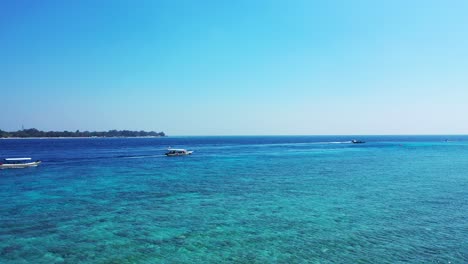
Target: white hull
{"x": 20, "y": 166}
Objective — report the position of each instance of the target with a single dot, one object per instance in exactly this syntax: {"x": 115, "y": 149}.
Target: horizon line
{"x": 315, "y": 135}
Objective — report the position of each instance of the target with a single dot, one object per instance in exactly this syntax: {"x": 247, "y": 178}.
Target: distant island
{"x": 35, "y": 133}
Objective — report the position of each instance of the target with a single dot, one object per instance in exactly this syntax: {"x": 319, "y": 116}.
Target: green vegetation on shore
{"x": 32, "y": 132}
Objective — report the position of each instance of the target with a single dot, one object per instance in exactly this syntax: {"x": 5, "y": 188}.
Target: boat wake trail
{"x": 142, "y": 157}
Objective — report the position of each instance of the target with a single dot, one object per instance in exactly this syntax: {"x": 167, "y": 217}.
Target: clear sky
{"x": 235, "y": 67}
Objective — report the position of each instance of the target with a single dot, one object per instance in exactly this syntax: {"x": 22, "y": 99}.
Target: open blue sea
{"x": 300, "y": 199}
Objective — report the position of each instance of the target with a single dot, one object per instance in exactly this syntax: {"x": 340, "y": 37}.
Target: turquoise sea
{"x": 301, "y": 199}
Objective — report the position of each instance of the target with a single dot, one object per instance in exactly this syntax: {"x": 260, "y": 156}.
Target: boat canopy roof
{"x": 17, "y": 159}
{"x": 173, "y": 149}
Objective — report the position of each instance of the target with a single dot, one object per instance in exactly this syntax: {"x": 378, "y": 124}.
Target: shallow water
{"x": 236, "y": 200}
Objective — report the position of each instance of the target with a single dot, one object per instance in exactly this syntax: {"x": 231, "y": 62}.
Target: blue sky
{"x": 235, "y": 67}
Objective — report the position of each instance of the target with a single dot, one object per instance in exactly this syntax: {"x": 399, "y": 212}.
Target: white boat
{"x": 178, "y": 152}
{"x": 18, "y": 163}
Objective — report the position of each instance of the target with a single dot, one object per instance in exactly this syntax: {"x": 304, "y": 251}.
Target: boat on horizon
{"x": 18, "y": 163}
{"x": 178, "y": 152}
{"x": 354, "y": 141}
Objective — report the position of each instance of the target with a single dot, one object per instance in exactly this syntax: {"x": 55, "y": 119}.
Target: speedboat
{"x": 178, "y": 152}
{"x": 354, "y": 141}
{"x": 18, "y": 163}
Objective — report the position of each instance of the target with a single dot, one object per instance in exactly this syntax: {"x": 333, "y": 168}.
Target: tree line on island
{"x": 32, "y": 132}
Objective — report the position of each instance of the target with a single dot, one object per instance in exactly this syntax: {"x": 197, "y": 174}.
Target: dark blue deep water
{"x": 302, "y": 199}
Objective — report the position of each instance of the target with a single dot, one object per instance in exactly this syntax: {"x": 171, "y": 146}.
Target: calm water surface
{"x": 237, "y": 200}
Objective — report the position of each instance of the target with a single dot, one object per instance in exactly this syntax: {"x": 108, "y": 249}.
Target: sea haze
{"x": 237, "y": 199}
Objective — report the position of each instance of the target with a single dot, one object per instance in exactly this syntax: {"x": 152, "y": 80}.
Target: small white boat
{"x": 18, "y": 163}
{"x": 178, "y": 152}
